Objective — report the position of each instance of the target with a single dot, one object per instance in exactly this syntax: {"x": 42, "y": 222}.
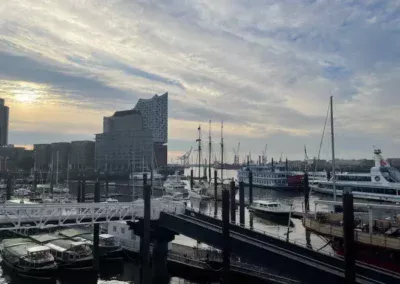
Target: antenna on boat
{"x": 333, "y": 152}
{"x": 222, "y": 153}
{"x": 199, "y": 149}
{"x": 209, "y": 150}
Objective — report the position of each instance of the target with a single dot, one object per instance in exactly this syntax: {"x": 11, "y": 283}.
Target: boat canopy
{"x": 37, "y": 249}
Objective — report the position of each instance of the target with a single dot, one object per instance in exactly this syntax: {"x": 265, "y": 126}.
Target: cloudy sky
{"x": 267, "y": 68}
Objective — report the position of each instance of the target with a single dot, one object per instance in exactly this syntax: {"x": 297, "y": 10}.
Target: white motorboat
{"x": 269, "y": 208}
{"x": 381, "y": 184}
{"x": 199, "y": 193}
{"x": 22, "y": 191}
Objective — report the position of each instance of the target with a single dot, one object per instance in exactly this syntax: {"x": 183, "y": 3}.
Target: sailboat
{"x": 58, "y": 188}
{"x": 220, "y": 186}
{"x": 199, "y": 190}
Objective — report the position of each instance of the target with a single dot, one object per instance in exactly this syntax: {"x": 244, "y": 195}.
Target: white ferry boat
{"x": 273, "y": 209}
{"x": 381, "y": 184}
{"x": 275, "y": 176}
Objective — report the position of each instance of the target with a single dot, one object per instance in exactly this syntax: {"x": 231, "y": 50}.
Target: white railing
{"x": 15, "y": 216}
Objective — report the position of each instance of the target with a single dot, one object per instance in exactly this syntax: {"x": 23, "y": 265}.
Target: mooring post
{"x": 306, "y": 193}
{"x": 106, "y": 184}
{"x": 79, "y": 192}
{"x": 233, "y": 204}
{"x": 145, "y": 240}
{"x": 225, "y": 231}
{"x": 51, "y": 182}
{"x": 216, "y": 185}
{"x": 348, "y": 232}
{"x": 34, "y": 181}
{"x": 83, "y": 191}
{"x": 251, "y": 218}
{"x": 241, "y": 204}
{"x": 9, "y": 187}
{"x": 191, "y": 179}
{"x": 250, "y": 187}
{"x": 96, "y": 230}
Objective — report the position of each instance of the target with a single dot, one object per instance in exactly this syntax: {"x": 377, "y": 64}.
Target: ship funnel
{"x": 379, "y": 160}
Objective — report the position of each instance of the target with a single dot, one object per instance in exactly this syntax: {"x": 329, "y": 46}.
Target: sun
{"x": 27, "y": 93}
{"x": 26, "y": 97}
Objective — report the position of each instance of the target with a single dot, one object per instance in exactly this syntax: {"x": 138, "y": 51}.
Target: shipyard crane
{"x": 236, "y": 157}
{"x": 185, "y": 158}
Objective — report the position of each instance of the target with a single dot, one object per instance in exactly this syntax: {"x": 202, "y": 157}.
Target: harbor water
{"x": 128, "y": 272}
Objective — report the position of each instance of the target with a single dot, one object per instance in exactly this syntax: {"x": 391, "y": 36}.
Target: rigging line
{"x": 322, "y": 140}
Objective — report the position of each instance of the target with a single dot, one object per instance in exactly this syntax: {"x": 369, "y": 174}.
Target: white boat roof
{"x": 55, "y": 247}
{"x": 78, "y": 243}
{"x": 37, "y": 249}
{"x": 106, "y": 236}
{"x": 266, "y": 202}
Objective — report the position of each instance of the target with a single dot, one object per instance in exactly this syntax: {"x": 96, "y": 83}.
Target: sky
{"x": 266, "y": 68}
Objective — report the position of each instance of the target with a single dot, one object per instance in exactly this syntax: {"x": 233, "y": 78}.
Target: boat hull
{"x": 41, "y": 274}
{"x": 270, "y": 214}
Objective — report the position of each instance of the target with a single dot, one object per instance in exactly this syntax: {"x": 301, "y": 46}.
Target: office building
{"x": 155, "y": 118}
{"x": 42, "y": 156}
{"x": 124, "y": 143}
{"x": 82, "y": 155}
{"x": 60, "y": 155}
{"x": 4, "y": 115}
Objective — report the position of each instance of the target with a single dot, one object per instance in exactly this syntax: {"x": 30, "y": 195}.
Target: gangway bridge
{"x": 46, "y": 215}
{"x": 309, "y": 265}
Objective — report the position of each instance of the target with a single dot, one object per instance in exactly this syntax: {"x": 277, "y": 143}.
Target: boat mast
{"x": 222, "y": 153}
{"x": 68, "y": 173}
{"x": 209, "y": 150}
{"x": 58, "y": 157}
{"x": 333, "y": 152}
{"x": 133, "y": 179}
{"x": 199, "y": 149}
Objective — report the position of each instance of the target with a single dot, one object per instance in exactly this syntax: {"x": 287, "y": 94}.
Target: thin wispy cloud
{"x": 267, "y": 68}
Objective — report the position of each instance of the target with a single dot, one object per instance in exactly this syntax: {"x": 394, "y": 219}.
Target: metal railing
{"x": 270, "y": 234}
{"x": 15, "y": 216}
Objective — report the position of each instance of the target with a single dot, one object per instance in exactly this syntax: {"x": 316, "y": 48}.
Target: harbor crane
{"x": 185, "y": 158}
{"x": 236, "y": 157}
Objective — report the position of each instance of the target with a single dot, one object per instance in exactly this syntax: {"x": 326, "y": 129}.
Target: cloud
{"x": 267, "y": 68}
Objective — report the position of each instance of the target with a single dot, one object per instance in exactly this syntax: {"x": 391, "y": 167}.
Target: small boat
{"x": 69, "y": 254}
{"x": 271, "y": 209}
{"x": 199, "y": 193}
{"x": 28, "y": 259}
{"x": 176, "y": 196}
{"x": 108, "y": 247}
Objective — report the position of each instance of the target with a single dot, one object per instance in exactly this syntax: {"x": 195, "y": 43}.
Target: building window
{"x": 114, "y": 229}
{"x": 122, "y": 230}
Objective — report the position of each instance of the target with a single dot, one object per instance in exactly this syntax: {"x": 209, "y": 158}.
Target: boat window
{"x": 390, "y": 174}
{"x": 114, "y": 228}
{"x": 390, "y": 191}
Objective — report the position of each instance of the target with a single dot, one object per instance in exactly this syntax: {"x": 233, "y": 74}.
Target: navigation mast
{"x": 333, "y": 152}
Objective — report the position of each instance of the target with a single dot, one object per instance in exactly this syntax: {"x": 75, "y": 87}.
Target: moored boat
{"x": 381, "y": 184}
{"x": 270, "y": 209}
{"x": 69, "y": 254}
{"x": 108, "y": 247}
{"x": 28, "y": 259}
{"x": 273, "y": 176}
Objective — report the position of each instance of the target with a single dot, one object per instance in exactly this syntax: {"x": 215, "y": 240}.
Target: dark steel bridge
{"x": 302, "y": 263}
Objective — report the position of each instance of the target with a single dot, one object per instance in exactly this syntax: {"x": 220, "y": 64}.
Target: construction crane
{"x": 185, "y": 158}
{"x": 236, "y": 157}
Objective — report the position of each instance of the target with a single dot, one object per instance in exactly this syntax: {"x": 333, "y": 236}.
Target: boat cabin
{"x": 38, "y": 255}
{"x": 266, "y": 205}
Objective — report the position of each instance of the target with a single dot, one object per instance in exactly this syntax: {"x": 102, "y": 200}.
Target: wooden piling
{"x": 226, "y": 237}
{"x": 233, "y": 204}
{"x": 348, "y": 233}
{"x": 241, "y": 204}
{"x": 96, "y": 230}
{"x": 250, "y": 187}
